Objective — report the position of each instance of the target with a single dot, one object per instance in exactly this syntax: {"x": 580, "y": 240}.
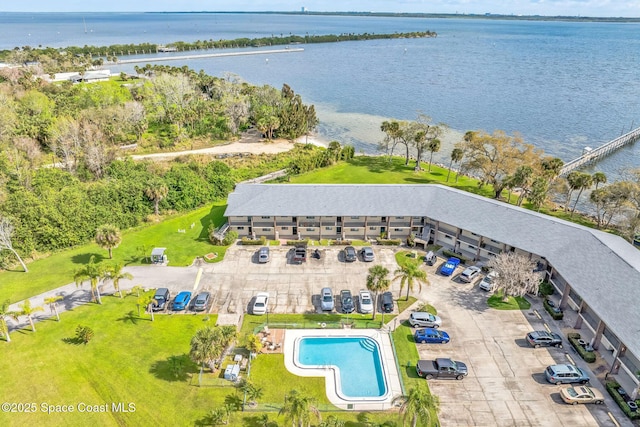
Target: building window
{"x": 310, "y": 217}
{"x": 240, "y": 228}
{"x": 355, "y": 217}
{"x": 399, "y": 217}
{"x": 266, "y": 229}
{"x": 446, "y": 236}
{"x": 284, "y": 228}
{"x": 248, "y": 219}
{"x": 354, "y": 229}
{"x": 383, "y": 218}
{"x": 373, "y": 228}
{"x": 328, "y": 228}
{"x": 311, "y": 229}
{"x": 265, "y": 217}
{"x": 471, "y": 247}
{"x": 398, "y": 229}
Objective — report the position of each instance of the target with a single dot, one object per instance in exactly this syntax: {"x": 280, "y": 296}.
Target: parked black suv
{"x": 538, "y": 338}
{"x": 162, "y": 297}
{"x": 387, "y": 302}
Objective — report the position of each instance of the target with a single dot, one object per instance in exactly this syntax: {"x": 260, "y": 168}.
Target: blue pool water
{"x": 357, "y": 360}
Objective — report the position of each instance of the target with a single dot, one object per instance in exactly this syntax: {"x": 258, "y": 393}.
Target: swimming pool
{"x": 356, "y": 378}
{"x": 356, "y": 360}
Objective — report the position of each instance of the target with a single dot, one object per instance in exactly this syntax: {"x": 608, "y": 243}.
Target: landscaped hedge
{"x": 612, "y": 388}
{"x": 546, "y": 289}
{"x": 551, "y": 310}
{"x": 339, "y": 242}
{"x": 449, "y": 254}
{"x": 261, "y": 241}
{"x": 588, "y": 356}
{"x": 389, "y": 242}
{"x": 304, "y": 242}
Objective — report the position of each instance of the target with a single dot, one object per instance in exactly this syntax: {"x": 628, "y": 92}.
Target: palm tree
{"x": 456, "y": 156}
{"x": 410, "y": 274}
{"x": 115, "y": 274}
{"x": 5, "y": 313}
{"x": 584, "y": 181}
{"x": 377, "y": 281}
{"x": 551, "y": 167}
{"x": 433, "y": 147}
{"x": 146, "y": 301}
{"x": 108, "y": 237}
{"x": 573, "y": 181}
{"x": 27, "y": 310}
{"x": 94, "y": 272}
{"x": 53, "y": 304}
{"x": 205, "y": 346}
{"x": 227, "y": 334}
{"x": 298, "y": 408}
{"x": 417, "y": 405}
{"x": 253, "y": 343}
{"x": 156, "y": 191}
{"x": 251, "y": 391}
{"x": 599, "y": 178}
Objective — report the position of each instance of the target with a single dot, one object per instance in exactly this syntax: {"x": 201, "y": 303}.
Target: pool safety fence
{"x": 395, "y": 355}
{"x": 315, "y": 324}
{"x": 322, "y": 407}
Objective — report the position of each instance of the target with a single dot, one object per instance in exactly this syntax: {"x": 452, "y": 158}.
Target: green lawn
{"x": 407, "y": 354}
{"x": 512, "y": 303}
{"x": 58, "y": 269}
{"x": 134, "y": 360}
{"x": 378, "y": 170}
{"x": 129, "y": 360}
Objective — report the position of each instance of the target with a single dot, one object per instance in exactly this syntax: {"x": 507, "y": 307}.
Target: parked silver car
{"x": 326, "y": 299}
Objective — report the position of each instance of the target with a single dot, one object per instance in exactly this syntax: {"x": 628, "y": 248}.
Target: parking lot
{"x": 506, "y": 384}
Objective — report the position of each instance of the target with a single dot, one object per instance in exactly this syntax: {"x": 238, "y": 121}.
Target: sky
{"x": 599, "y": 8}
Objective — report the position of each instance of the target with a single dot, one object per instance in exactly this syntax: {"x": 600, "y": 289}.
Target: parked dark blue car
{"x": 431, "y": 336}
{"x": 182, "y": 301}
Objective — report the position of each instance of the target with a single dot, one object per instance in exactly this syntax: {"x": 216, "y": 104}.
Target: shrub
{"x": 556, "y": 315}
{"x": 261, "y": 241}
{"x": 546, "y": 289}
{"x": 588, "y": 356}
{"x": 339, "y": 242}
{"x": 229, "y": 238}
{"x": 411, "y": 241}
{"x": 84, "y": 334}
{"x": 389, "y": 242}
{"x": 449, "y": 254}
{"x": 612, "y": 388}
{"x": 304, "y": 242}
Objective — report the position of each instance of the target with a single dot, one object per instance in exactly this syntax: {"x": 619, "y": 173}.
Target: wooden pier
{"x": 590, "y": 156}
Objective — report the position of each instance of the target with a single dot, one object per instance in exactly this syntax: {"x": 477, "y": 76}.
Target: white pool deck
{"x": 331, "y": 374}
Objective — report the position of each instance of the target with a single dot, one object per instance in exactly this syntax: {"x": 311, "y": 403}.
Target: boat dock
{"x": 592, "y": 155}
{"x": 208, "y": 55}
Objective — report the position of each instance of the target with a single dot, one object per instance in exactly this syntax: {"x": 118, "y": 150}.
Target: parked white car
{"x": 260, "y": 304}
{"x": 488, "y": 283}
{"x": 366, "y": 302}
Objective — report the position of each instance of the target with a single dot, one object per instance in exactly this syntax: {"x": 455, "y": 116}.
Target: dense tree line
{"x": 63, "y": 172}
{"x": 53, "y": 60}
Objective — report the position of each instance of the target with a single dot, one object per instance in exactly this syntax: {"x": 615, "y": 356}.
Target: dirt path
{"x": 250, "y": 142}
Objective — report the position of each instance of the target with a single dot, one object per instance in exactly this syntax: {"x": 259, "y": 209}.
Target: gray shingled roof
{"x": 603, "y": 268}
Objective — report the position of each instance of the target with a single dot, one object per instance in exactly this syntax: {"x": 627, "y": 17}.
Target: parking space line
{"x": 537, "y": 314}
{"x": 613, "y": 419}
{"x": 570, "y": 359}
{"x": 198, "y": 277}
{"x": 547, "y": 328}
